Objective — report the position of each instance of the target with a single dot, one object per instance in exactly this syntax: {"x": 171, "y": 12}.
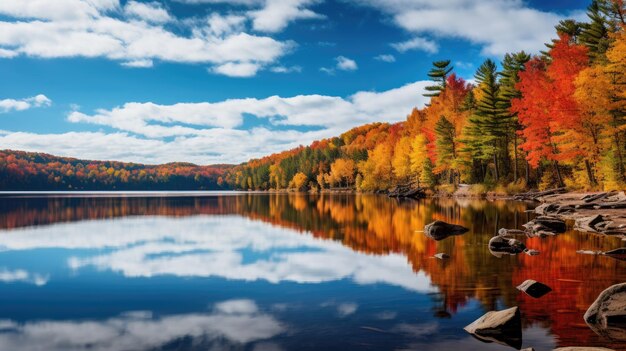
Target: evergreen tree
{"x": 595, "y": 34}
{"x": 511, "y": 66}
{"x": 438, "y": 74}
{"x": 446, "y": 148}
{"x": 489, "y": 120}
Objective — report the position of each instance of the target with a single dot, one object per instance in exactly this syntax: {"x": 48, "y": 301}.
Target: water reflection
{"x": 232, "y": 323}
{"x": 367, "y": 240}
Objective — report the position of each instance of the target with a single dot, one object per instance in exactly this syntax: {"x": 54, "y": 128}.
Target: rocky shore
{"x": 600, "y": 212}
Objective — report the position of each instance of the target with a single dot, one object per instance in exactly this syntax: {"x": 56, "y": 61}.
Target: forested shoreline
{"x": 552, "y": 120}
{"x": 20, "y": 170}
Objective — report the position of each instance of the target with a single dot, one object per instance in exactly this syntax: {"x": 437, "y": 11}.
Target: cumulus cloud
{"x": 214, "y": 132}
{"x": 343, "y": 64}
{"x": 417, "y": 43}
{"x": 346, "y": 64}
{"x": 493, "y": 24}
{"x": 150, "y": 12}
{"x": 275, "y": 15}
{"x": 237, "y": 69}
{"x": 385, "y": 58}
{"x": 8, "y": 105}
{"x": 140, "y": 330}
{"x": 91, "y": 28}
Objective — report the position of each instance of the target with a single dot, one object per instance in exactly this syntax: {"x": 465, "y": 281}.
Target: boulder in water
{"x": 607, "y": 315}
{"x": 503, "y": 327}
{"x": 442, "y": 255}
{"x": 439, "y": 230}
{"x": 534, "y": 288}
{"x": 499, "y": 246}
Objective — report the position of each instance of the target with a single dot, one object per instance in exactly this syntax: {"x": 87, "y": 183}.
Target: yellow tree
{"x": 418, "y": 155}
{"x": 377, "y": 169}
{"x": 298, "y": 181}
{"x": 401, "y": 161}
{"x": 616, "y": 56}
{"x": 341, "y": 172}
{"x": 593, "y": 97}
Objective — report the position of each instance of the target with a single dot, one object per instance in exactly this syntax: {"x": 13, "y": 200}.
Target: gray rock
{"x": 499, "y": 246}
{"x": 553, "y": 224}
{"x": 507, "y": 232}
{"x": 534, "y": 288}
{"x": 607, "y": 315}
{"x": 503, "y": 327}
{"x": 442, "y": 255}
{"x": 588, "y": 224}
{"x": 439, "y": 230}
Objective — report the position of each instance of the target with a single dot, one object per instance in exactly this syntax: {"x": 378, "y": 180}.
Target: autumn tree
{"x": 401, "y": 161}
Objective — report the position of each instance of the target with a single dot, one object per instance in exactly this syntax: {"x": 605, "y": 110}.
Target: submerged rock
{"x": 499, "y": 246}
{"x": 531, "y": 252}
{"x": 534, "y": 288}
{"x": 442, "y": 255}
{"x": 607, "y": 315}
{"x": 503, "y": 327}
{"x": 506, "y": 232}
{"x": 439, "y": 230}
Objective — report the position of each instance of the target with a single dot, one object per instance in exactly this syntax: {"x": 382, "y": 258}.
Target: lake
{"x": 239, "y": 271}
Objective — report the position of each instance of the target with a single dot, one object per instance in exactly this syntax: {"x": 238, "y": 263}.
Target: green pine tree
{"x": 438, "y": 74}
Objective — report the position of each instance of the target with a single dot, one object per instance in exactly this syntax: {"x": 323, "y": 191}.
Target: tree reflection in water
{"x": 377, "y": 225}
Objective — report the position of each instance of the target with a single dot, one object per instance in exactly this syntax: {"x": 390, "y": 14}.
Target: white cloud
{"x": 237, "y": 69}
{"x": 385, "y": 58}
{"x": 346, "y": 64}
{"x": 275, "y": 15}
{"x": 220, "y": 26}
{"x": 206, "y": 132}
{"x": 149, "y": 12}
{"x": 4, "y": 53}
{"x": 139, "y": 330}
{"x": 493, "y": 24}
{"x": 89, "y": 28}
{"x": 138, "y": 64}
{"x": 417, "y": 43}
{"x": 284, "y": 69}
{"x": 8, "y": 105}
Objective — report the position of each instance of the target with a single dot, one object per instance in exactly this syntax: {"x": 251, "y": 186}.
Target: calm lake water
{"x": 281, "y": 272}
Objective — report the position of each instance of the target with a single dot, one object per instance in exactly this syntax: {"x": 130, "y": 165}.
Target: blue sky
{"x": 216, "y": 81}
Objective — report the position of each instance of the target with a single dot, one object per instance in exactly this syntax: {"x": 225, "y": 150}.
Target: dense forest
{"x": 556, "y": 119}
{"x": 36, "y": 171}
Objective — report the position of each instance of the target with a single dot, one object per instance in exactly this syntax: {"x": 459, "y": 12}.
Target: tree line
{"x": 21, "y": 170}
{"x": 553, "y": 119}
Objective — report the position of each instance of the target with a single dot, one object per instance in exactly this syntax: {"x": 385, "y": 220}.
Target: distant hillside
{"x": 21, "y": 170}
